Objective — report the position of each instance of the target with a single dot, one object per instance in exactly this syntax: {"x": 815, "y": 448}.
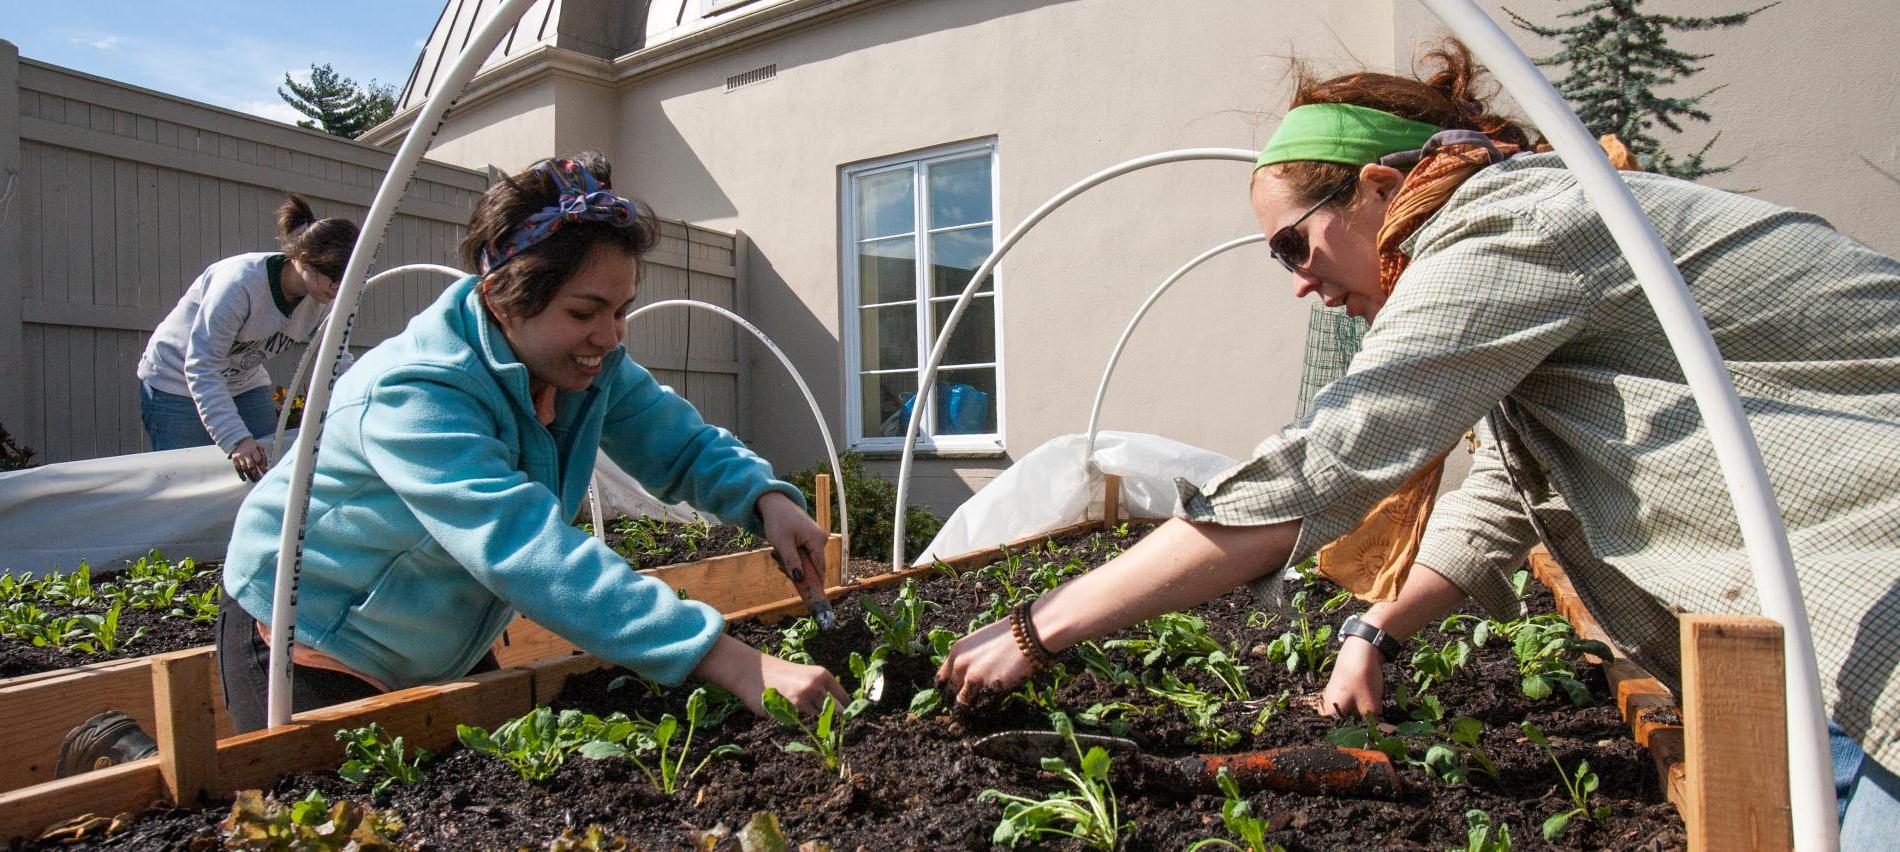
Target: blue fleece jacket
{"x": 441, "y": 506}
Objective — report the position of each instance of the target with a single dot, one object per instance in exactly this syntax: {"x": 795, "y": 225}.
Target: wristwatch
{"x": 1389, "y": 647}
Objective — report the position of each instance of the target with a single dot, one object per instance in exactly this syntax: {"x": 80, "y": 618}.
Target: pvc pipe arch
{"x": 1115, "y": 355}
{"x": 422, "y": 131}
{"x": 1810, "y": 768}
{"x": 817, "y": 413}
{"x": 926, "y": 382}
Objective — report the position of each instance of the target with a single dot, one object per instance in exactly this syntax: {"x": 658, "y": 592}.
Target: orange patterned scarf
{"x": 1373, "y": 560}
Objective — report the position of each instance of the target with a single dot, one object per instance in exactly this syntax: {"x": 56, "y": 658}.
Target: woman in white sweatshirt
{"x": 202, "y": 378}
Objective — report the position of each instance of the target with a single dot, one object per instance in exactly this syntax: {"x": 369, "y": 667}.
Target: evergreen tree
{"x": 336, "y": 104}
{"x": 1617, "y": 58}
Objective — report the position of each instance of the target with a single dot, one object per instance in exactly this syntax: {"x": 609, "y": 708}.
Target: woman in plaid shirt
{"x": 1495, "y": 293}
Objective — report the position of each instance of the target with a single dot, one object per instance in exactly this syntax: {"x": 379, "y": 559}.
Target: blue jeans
{"x": 1868, "y": 793}
{"x": 172, "y": 423}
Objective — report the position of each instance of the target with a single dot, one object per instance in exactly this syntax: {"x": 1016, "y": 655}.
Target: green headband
{"x": 1342, "y": 133}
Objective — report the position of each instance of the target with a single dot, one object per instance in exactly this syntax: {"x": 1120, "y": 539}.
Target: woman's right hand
{"x": 746, "y": 672}
{"x": 1357, "y": 686}
{"x": 250, "y": 459}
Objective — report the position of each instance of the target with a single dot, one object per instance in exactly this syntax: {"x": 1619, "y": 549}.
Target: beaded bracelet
{"x": 1021, "y": 627}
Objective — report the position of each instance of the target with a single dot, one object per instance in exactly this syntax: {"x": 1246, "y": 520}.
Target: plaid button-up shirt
{"x": 1518, "y": 302}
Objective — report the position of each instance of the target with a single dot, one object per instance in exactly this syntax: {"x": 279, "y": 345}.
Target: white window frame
{"x": 915, "y": 162}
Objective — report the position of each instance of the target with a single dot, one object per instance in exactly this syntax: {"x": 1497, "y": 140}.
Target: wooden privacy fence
{"x": 114, "y": 198}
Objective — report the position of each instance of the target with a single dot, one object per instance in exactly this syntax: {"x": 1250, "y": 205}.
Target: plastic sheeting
{"x": 180, "y": 502}
{"x": 1053, "y": 486}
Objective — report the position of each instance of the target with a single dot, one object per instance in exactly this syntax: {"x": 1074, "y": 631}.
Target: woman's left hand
{"x": 795, "y": 538}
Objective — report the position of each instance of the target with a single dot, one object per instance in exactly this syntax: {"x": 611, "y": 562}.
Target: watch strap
{"x": 1392, "y": 649}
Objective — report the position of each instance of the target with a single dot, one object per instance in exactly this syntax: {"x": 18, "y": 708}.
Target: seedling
{"x": 1482, "y": 835}
{"x": 1434, "y": 666}
{"x": 1090, "y": 814}
{"x": 535, "y": 745}
{"x": 1112, "y": 716}
{"x": 791, "y": 641}
{"x": 1579, "y": 783}
{"x": 900, "y": 627}
{"x": 1545, "y": 647}
{"x": 826, "y": 739}
{"x": 369, "y": 753}
{"x": 667, "y": 773}
{"x": 1180, "y": 638}
{"x": 595, "y": 838}
{"x": 1236, "y": 813}
{"x": 1458, "y": 754}
{"x": 99, "y": 634}
{"x": 1304, "y": 648}
{"x": 262, "y": 823}
{"x": 1201, "y": 707}
{"x": 1270, "y": 707}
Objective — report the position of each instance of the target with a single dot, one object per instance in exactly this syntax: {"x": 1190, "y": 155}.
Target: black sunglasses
{"x": 1288, "y": 245}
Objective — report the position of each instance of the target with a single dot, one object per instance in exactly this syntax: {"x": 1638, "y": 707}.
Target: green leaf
{"x": 1537, "y": 687}
{"x": 1555, "y": 825}
{"x": 354, "y": 771}
{"x": 477, "y": 740}
{"x": 599, "y": 750}
{"x": 800, "y": 747}
{"x": 1095, "y": 763}
{"x": 1535, "y": 735}
{"x": 925, "y": 701}
{"x": 779, "y": 707}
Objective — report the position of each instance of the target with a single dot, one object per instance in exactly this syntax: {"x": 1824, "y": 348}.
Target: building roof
{"x": 600, "y": 28}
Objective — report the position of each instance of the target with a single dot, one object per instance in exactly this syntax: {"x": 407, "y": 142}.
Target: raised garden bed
{"x": 913, "y": 782}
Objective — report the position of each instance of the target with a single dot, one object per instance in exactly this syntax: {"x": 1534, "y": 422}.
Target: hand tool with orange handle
{"x": 1314, "y": 770}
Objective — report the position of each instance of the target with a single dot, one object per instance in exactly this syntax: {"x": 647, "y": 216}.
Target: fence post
{"x": 187, "y": 725}
{"x": 12, "y": 272}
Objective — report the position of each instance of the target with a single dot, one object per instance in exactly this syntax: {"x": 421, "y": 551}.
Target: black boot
{"x": 108, "y": 739}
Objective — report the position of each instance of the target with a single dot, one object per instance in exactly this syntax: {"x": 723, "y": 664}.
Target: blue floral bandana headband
{"x": 583, "y": 199}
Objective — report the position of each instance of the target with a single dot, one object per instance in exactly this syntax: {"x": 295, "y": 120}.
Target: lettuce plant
{"x": 1090, "y": 814}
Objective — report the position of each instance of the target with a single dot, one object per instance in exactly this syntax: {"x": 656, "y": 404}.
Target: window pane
{"x": 954, "y": 257}
{"x": 884, "y": 204}
{"x": 966, "y": 401}
{"x": 974, "y": 341}
{"x": 887, "y": 337}
{"x": 887, "y": 271}
{"x": 883, "y": 398}
{"x": 960, "y": 192}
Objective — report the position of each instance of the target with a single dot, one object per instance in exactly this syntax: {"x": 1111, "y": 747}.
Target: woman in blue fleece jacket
{"x": 456, "y": 453}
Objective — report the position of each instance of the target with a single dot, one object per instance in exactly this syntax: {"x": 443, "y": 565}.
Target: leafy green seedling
{"x": 900, "y": 628}
{"x": 1434, "y": 666}
{"x": 263, "y": 824}
{"x": 369, "y": 753}
{"x": 535, "y": 745}
{"x": 826, "y": 738}
{"x": 667, "y": 772}
{"x": 1482, "y": 835}
{"x": 1579, "y": 783}
{"x": 1304, "y": 648}
{"x": 1458, "y": 754}
{"x": 1236, "y": 813}
{"x": 1089, "y": 814}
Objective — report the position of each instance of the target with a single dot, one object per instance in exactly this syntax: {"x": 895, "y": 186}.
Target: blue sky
{"x": 226, "y": 52}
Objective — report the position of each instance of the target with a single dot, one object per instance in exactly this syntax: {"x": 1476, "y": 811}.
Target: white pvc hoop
{"x": 309, "y": 352}
{"x": 929, "y": 377}
{"x": 297, "y": 501}
{"x": 1810, "y": 769}
{"x": 1115, "y": 355}
{"x": 818, "y": 414}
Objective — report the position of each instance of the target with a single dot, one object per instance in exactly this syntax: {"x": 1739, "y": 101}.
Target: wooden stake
{"x": 822, "y": 511}
{"x": 187, "y": 725}
{"x": 1111, "y": 500}
{"x": 1735, "y": 733}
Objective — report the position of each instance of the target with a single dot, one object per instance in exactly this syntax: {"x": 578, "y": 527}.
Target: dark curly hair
{"x": 525, "y": 285}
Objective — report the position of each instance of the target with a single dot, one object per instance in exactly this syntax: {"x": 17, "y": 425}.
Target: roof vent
{"x": 756, "y": 75}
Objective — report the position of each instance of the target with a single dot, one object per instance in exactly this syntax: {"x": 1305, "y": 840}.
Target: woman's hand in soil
{"x": 797, "y": 541}
{"x": 250, "y": 459}
{"x": 745, "y": 672}
{"x": 1357, "y": 687}
{"x": 984, "y": 663}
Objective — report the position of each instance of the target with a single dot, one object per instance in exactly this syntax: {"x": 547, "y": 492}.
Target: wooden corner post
{"x": 1111, "y": 500}
{"x": 1735, "y": 732}
{"x": 187, "y": 725}
{"x": 821, "y": 512}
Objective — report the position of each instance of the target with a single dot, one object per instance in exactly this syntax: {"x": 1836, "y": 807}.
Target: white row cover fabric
{"x": 1053, "y": 486}
{"x": 179, "y": 502}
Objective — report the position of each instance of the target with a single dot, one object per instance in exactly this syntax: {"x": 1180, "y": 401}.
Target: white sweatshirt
{"x": 213, "y": 345}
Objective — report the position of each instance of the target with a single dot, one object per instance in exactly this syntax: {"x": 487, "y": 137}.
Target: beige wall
{"x": 1065, "y": 88}
{"x": 509, "y": 131}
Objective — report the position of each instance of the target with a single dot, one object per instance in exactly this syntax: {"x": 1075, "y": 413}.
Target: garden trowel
{"x": 1314, "y": 770}
{"x": 810, "y": 583}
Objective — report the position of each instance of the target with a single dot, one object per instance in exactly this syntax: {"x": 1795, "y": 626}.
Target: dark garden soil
{"x": 914, "y": 783}
{"x": 163, "y": 633}
{"x": 663, "y": 543}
